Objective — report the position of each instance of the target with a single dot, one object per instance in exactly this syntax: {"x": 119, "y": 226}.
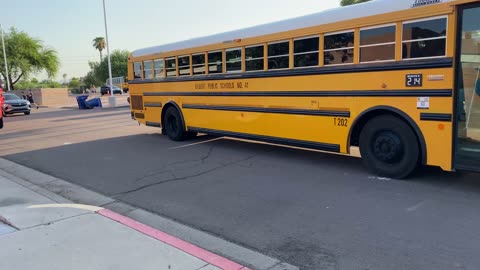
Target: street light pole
{"x": 112, "y": 98}
{"x": 5, "y": 59}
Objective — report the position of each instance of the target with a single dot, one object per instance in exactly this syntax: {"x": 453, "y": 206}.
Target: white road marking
{"x": 416, "y": 206}
{"x": 193, "y": 144}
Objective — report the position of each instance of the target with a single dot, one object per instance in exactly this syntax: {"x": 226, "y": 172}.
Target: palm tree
{"x": 99, "y": 44}
{"x": 351, "y": 2}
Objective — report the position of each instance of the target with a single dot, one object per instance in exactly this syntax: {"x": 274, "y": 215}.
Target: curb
{"x": 184, "y": 246}
{"x": 195, "y": 242}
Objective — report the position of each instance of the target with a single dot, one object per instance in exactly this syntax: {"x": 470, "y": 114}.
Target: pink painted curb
{"x": 184, "y": 246}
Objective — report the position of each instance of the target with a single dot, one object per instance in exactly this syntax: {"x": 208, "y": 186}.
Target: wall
{"x": 55, "y": 97}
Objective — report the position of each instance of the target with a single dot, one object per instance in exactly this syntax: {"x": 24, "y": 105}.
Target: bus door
{"x": 467, "y": 150}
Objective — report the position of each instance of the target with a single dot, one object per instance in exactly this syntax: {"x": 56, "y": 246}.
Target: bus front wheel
{"x": 174, "y": 125}
{"x": 389, "y": 147}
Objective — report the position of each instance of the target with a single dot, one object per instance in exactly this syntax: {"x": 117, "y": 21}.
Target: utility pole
{"x": 5, "y": 59}
{"x": 112, "y": 97}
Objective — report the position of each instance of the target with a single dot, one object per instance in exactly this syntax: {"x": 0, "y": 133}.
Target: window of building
{"x": 215, "y": 63}
{"x": 254, "y": 56}
{"x": 158, "y": 65}
{"x": 426, "y": 38}
{"x": 234, "y": 60}
{"x": 137, "y": 70}
{"x": 171, "y": 67}
{"x": 338, "y": 48}
{"x": 278, "y": 55}
{"x": 183, "y": 65}
{"x": 305, "y": 52}
{"x": 148, "y": 69}
{"x": 198, "y": 64}
{"x": 377, "y": 44}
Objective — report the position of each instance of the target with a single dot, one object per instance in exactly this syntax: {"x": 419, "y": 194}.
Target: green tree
{"x": 27, "y": 55}
{"x": 74, "y": 83}
{"x": 351, "y": 2}
{"x": 99, "y": 44}
{"x": 119, "y": 61}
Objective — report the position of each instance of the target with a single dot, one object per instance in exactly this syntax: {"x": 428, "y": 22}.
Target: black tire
{"x": 26, "y": 113}
{"x": 1, "y": 122}
{"x": 173, "y": 124}
{"x": 389, "y": 147}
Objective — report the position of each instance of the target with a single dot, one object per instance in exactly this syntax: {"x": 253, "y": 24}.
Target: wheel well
{"x": 368, "y": 115}
{"x": 165, "y": 108}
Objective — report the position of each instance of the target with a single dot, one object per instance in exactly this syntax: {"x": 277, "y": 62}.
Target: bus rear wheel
{"x": 174, "y": 125}
{"x": 389, "y": 147}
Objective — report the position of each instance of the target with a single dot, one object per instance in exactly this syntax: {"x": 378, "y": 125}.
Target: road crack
{"x": 175, "y": 179}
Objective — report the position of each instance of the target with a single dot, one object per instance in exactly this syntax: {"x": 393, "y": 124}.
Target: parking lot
{"x": 310, "y": 209}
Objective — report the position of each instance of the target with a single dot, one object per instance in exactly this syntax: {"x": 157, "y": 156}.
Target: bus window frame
{"x": 339, "y": 49}
{"x": 155, "y": 70}
{"x": 183, "y": 66}
{"x": 241, "y": 60}
{"x": 205, "y": 63}
{"x": 140, "y": 70}
{"x": 151, "y": 69}
{"x": 426, "y": 39}
{"x": 360, "y": 46}
{"x": 303, "y": 53}
{"x": 222, "y": 62}
{"x": 253, "y": 59}
{"x": 171, "y": 69}
{"x": 278, "y": 56}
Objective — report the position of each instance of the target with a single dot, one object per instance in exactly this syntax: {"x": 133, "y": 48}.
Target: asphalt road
{"x": 313, "y": 210}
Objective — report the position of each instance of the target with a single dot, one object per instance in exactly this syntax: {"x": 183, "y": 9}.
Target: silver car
{"x": 14, "y": 104}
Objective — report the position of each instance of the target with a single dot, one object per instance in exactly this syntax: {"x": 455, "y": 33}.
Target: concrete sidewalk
{"x": 38, "y": 232}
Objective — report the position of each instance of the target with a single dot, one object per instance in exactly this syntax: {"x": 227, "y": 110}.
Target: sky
{"x": 69, "y": 26}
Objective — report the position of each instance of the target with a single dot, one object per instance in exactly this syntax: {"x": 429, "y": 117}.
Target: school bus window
{"x": 183, "y": 65}
{"x": 426, "y": 38}
{"x": 147, "y": 69}
{"x": 198, "y": 64}
{"x": 377, "y": 44}
{"x": 137, "y": 70}
{"x": 338, "y": 48}
{"x": 278, "y": 55}
{"x": 254, "y": 58}
{"x": 158, "y": 66}
{"x": 171, "y": 67}
{"x": 305, "y": 51}
{"x": 234, "y": 60}
{"x": 215, "y": 63}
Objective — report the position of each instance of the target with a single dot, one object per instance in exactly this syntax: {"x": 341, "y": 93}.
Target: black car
{"x": 14, "y": 104}
{"x": 104, "y": 90}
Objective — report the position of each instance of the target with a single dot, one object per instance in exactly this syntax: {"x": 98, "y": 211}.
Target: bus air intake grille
{"x": 137, "y": 103}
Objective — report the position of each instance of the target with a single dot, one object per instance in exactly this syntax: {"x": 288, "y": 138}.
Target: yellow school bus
{"x": 398, "y": 79}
